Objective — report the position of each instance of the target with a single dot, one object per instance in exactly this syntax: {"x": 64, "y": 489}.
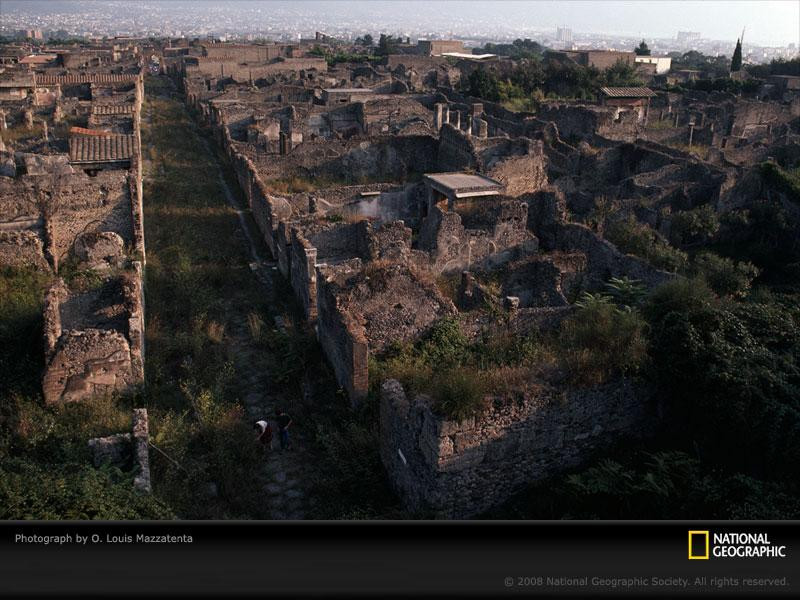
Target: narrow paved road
{"x": 282, "y": 477}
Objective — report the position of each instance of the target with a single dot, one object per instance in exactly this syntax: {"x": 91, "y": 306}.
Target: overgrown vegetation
{"x": 458, "y": 373}
{"x": 727, "y": 371}
{"x": 633, "y": 237}
{"x": 45, "y": 464}
{"x": 340, "y": 56}
{"x": 602, "y": 338}
{"x": 532, "y": 81}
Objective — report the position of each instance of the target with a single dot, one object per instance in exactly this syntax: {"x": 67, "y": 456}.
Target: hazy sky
{"x": 768, "y": 22}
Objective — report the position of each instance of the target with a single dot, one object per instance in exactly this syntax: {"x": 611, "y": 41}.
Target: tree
{"x": 386, "y": 45}
{"x": 366, "y": 40}
{"x": 642, "y": 49}
{"x": 483, "y": 84}
{"x": 621, "y": 74}
{"x": 736, "y": 61}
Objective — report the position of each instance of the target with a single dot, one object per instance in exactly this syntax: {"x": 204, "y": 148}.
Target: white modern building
{"x": 662, "y": 63}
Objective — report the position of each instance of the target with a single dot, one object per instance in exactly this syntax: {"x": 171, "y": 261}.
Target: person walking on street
{"x": 284, "y": 421}
{"x": 264, "y": 434}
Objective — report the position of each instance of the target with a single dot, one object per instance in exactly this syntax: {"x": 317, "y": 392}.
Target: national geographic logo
{"x": 703, "y": 545}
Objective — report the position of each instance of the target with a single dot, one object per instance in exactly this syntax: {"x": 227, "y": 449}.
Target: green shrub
{"x": 625, "y": 291}
{"x": 632, "y": 237}
{"x": 73, "y": 491}
{"x": 459, "y": 393}
{"x": 724, "y": 276}
{"x": 665, "y": 484}
{"x": 730, "y": 371}
{"x": 694, "y": 226}
{"x": 600, "y": 340}
{"x": 446, "y": 344}
{"x": 680, "y": 295}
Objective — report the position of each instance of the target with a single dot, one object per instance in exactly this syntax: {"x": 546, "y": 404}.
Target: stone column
{"x": 28, "y": 116}
{"x": 480, "y": 127}
{"x": 44, "y": 130}
{"x": 58, "y": 114}
{"x": 141, "y": 450}
{"x": 3, "y": 125}
{"x": 456, "y": 122}
{"x": 437, "y": 116}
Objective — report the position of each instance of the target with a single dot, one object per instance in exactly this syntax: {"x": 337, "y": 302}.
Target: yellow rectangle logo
{"x": 697, "y": 534}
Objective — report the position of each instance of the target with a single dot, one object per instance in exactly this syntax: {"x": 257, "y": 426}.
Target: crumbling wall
{"x": 87, "y": 363}
{"x": 460, "y": 469}
{"x": 604, "y": 260}
{"x": 93, "y": 353}
{"x": 22, "y": 248}
{"x": 520, "y": 165}
{"x": 456, "y": 150}
{"x": 303, "y": 268}
{"x": 544, "y": 280}
{"x": 453, "y": 247}
{"x": 343, "y": 341}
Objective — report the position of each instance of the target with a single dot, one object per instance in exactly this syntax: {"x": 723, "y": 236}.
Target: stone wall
{"x": 243, "y": 73}
{"x": 520, "y": 164}
{"x": 98, "y": 349}
{"x": 604, "y": 260}
{"x": 303, "y": 273}
{"x": 458, "y": 470}
{"x": 453, "y": 247}
{"x": 343, "y": 341}
{"x": 23, "y": 248}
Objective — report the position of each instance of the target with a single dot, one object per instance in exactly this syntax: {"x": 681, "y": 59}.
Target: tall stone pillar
{"x": 456, "y": 119}
{"x": 28, "y": 116}
{"x": 437, "y": 116}
{"x": 480, "y": 128}
{"x": 445, "y": 115}
{"x": 3, "y": 124}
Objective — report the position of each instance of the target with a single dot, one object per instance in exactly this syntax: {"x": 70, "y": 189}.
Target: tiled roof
{"x": 628, "y": 92}
{"x": 34, "y": 59}
{"x": 84, "y": 131}
{"x": 112, "y": 109}
{"x": 95, "y": 148}
{"x": 85, "y": 78}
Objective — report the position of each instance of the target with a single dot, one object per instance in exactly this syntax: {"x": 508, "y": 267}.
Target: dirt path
{"x": 282, "y": 477}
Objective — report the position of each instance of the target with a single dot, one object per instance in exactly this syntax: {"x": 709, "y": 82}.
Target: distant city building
{"x": 662, "y": 63}
{"x": 564, "y": 35}
{"x": 686, "y": 37}
{"x": 31, "y": 34}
